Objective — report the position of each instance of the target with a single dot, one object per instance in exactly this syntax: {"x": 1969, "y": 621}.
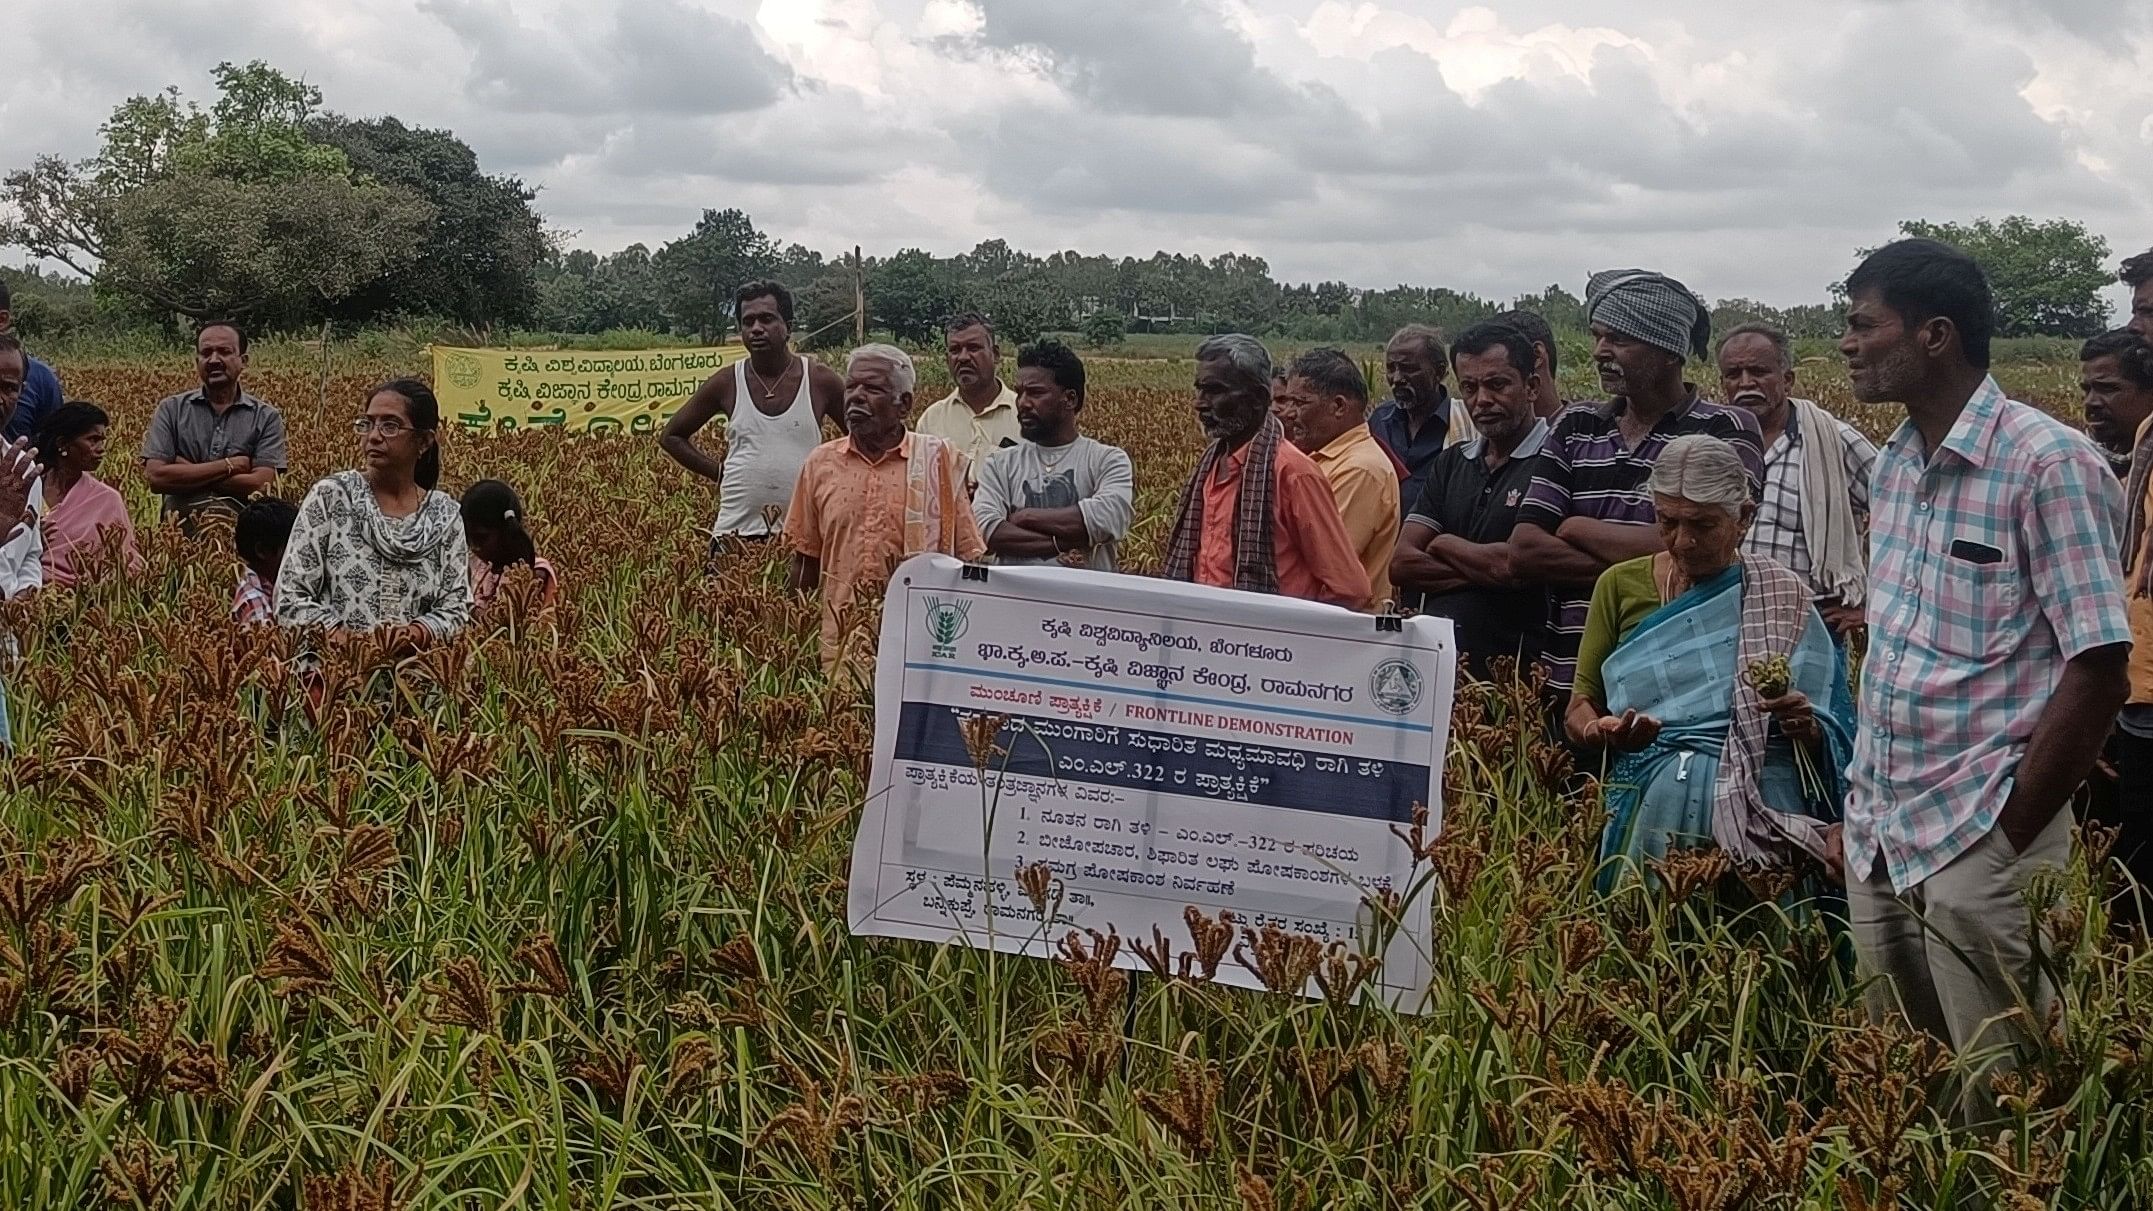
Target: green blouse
{"x": 1625, "y": 595}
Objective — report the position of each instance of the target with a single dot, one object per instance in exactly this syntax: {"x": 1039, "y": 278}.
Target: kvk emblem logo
{"x": 1396, "y": 686}
{"x": 947, "y": 621}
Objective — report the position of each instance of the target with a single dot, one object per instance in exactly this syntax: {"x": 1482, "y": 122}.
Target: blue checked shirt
{"x": 1991, "y": 565}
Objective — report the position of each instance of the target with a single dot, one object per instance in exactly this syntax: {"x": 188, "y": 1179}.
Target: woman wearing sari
{"x": 1700, "y": 756}
{"x": 80, "y": 508}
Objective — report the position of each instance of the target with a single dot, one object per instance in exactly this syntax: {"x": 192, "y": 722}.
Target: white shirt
{"x": 22, "y": 557}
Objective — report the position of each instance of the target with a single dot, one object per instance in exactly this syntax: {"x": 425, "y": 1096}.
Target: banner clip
{"x": 976, "y": 572}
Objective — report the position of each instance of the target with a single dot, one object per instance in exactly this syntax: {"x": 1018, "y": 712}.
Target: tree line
{"x": 266, "y": 207}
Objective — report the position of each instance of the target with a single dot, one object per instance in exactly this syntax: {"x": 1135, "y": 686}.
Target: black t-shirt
{"x": 1464, "y": 498}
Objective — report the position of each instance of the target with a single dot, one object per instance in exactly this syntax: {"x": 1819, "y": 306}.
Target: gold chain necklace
{"x": 769, "y": 391}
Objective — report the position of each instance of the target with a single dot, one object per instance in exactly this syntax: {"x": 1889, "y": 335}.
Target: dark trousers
{"x": 2127, "y": 805}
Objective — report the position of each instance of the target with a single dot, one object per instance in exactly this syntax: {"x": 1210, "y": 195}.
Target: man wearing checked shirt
{"x": 1996, "y": 667}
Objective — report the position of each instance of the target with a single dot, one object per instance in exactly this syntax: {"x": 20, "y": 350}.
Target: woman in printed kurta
{"x": 379, "y": 550}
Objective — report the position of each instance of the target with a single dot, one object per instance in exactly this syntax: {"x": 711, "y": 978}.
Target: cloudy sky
{"x": 1746, "y": 147}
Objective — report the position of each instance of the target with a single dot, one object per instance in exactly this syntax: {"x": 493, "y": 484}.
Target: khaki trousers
{"x": 1955, "y": 954}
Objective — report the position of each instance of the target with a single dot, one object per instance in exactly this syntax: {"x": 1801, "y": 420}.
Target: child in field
{"x": 260, "y": 535}
{"x": 493, "y": 526}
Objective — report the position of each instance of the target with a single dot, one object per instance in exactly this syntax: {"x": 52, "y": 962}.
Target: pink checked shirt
{"x": 1991, "y": 564}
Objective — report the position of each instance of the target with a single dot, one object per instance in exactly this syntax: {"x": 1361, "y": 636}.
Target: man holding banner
{"x": 787, "y": 398}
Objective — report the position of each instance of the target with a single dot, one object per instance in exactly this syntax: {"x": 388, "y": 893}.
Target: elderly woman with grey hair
{"x": 1712, "y": 685}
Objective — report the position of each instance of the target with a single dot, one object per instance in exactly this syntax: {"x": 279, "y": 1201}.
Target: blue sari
{"x": 1678, "y": 666}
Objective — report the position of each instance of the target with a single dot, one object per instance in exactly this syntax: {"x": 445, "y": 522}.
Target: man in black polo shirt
{"x": 1453, "y": 555}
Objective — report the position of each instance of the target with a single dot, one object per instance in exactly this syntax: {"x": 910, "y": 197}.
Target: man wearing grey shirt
{"x": 215, "y": 446}
{"x": 1056, "y": 496}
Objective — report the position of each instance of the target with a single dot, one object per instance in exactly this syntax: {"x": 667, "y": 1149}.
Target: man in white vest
{"x": 774, "y": 402}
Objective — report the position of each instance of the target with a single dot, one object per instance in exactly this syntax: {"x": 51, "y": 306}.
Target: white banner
{"x": 1166, "y": 745}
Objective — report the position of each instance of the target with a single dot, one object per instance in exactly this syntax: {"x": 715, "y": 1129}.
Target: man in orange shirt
{"x": 1324, "y": 411}
{"x": 869, "y": 500}
{"x": 1257, "y": 515}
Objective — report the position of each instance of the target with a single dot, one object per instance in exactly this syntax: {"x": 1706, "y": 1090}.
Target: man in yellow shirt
{"x": 980, "y": 416}
{"x": 1323, "y": 404}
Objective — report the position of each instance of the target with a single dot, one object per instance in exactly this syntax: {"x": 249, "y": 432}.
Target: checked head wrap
{"x": 1650, "y": 307}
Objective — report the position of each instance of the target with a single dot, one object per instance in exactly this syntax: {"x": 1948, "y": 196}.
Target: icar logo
{"x": 947, "y": 621}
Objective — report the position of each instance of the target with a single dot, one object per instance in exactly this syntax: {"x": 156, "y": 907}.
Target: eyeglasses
{"x": 387, "y": 426}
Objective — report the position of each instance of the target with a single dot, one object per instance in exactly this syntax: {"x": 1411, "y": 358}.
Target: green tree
{"x": 1022, "y": 303}
{"x": 234, "y": 212}
{"x": 910, "y": 294}
{"x": 824, "y": 306}
{"x": 700, "y": 270}
{"x": 478, "y": 264}
{"x": 2047, "y": 275}
{"x": 1104, "y": 327}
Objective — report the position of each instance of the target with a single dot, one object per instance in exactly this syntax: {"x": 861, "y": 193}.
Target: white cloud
{"x": 1495, "y": 148}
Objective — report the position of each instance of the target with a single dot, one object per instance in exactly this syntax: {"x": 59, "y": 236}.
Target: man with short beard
{"x": 1814, "y": 518}
{"x": 1998, "y": 659}
{"x": 1056, "y": 496}
{"x": 1419, "y": 419}
{"x": 1256, "y": 515}
{"x": 1323, "y": 408}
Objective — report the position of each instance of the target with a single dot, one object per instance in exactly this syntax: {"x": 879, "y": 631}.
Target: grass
{"x": 553, "y": 917}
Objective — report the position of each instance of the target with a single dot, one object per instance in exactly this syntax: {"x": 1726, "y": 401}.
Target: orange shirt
{"x": 861, "y": 517}
{"x": 1315, "y": 559}
{"x": 1364, "y": 483}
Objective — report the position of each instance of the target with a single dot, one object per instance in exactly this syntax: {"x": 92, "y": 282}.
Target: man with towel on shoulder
{"x": 1814, "y": 517}
{"x": 1257, "y": 515}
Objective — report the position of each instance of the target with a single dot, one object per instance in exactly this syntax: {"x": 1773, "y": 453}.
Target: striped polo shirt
{"x": 1585, "y": 470}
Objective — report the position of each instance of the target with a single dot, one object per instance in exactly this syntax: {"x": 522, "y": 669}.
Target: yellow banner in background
{"x": 615, "y": 391}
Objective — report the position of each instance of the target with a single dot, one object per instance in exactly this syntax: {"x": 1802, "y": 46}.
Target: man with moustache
{"x": 1323, "y": 408}
{"x": 1998, "y": 658}
{"x": 1453, "y": 557}
{"x": 1057, "y": 496}
{"x": 1588, "y": 509}
{"x": 1419, "y": 419}
{"x": 210, "y": 449}
{"x": 2116, "y": 375}
{"x": 1256, "y": 515}
{"x": 774, "y": 403}
{"x": 1814, "y": 518}
{"x": 874, "y": 498}
{"x": 2115, "y": 418}
{"x": 979, "y": 415}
